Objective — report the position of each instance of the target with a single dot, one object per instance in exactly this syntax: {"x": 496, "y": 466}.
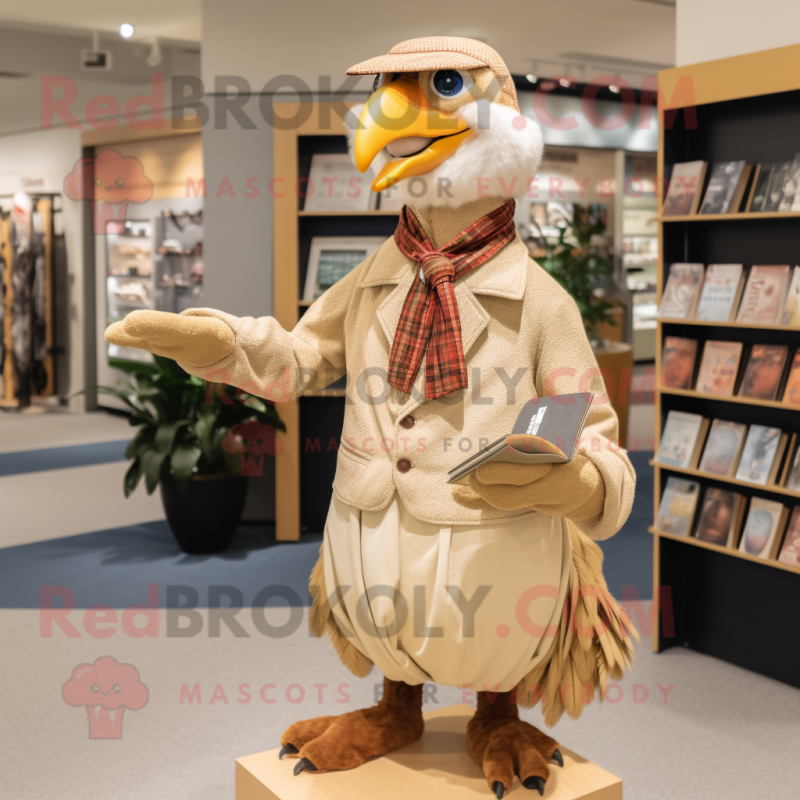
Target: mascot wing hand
{"x": 575, "y": 490}
{"x": 196, "y": 341}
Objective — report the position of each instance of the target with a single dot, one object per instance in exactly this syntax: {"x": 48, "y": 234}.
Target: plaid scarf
{"x": 429, "y": 320}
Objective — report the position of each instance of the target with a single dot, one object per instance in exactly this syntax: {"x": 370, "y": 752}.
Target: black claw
{"x": 288, "y": 749}
{"x": 534, "y": 783}
{"x": 302, "y": 764}
{"x": 558, "y": 758}
{"x": 499, "y": 789}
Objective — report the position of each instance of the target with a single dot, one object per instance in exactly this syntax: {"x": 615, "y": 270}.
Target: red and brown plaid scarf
{"x": 429, "y": 320}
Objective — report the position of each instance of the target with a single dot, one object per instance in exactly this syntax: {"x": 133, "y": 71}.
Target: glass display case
{"x": 153, "y": 264}
{"x": 129, "y": 278}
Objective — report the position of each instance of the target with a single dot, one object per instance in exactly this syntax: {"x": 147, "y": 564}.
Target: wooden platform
{"x": 437, "y": 767}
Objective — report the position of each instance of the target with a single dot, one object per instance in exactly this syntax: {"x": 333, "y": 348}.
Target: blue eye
{"x": 448, "y": 82}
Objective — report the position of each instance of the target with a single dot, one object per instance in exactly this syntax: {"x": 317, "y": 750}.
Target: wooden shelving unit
{"x": 734, "y": 217}
{"x": 305, "y": 468}
{"x": 724, "y": 550}
{"x": 708, "y": 476}
{"x": 718, "y": 398}
{"x": 715, "y": 599}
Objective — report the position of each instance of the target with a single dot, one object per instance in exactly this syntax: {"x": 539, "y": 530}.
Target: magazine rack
{"x": 437, "y": 767}
{"x": 714, "y": 599}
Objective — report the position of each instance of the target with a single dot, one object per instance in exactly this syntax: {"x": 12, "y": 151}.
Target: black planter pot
{"x": 204, "y": 516}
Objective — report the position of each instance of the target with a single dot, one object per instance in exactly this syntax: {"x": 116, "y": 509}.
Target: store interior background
{"x": 61, "y": 471}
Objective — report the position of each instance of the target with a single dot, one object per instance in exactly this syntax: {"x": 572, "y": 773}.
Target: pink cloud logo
{"x": 108, "y": 182}
{"x": 252, "y": 441}
{"x": 106, "y": 688}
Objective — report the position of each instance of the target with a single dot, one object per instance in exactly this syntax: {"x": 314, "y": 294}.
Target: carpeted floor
{"x": 113, "y": 567}
{"x": 683, "y": 725}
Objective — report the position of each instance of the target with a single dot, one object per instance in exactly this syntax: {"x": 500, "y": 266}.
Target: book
{"x": 722, "y": 289}
{"x": 790, "y": 552}
{"x": 791, "y": 188}
{"x": 792, "y": 481}
{"x": 335, "y": 184}
{"x": 720, "y": 517}
{"x": 681, "y": 439}
{"x": 764, "y": 371}
{"x": 723, "y": 448}
{"x": 758, "y": 192}
{"x": 678, "y": 504}
{"x": 791, "y": 306}
{"x": 682, "y": 291}
{"x": 761, "y": 456}
{"x": 765, "y": 522}
{"x": 777, "y": 179}
{"x": 677, "y": 362}
{"x": 763, "y": 299}
{"x": 791, "y": 392}
{"x": 718, "y": 368}
{"x": 547, "y": 431}
{"x": 685, "y": 189}
{"x": 725, "y": 187}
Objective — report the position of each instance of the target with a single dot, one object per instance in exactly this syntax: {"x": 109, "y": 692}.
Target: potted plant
{"x": 197, "y": 441}
{"x": 577, "y": 261}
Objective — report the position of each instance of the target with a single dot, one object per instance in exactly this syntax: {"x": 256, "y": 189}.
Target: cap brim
{"x": 415, "y": 62}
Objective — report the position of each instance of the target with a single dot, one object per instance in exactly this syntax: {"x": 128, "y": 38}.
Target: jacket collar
{"x": 503, "y": 275}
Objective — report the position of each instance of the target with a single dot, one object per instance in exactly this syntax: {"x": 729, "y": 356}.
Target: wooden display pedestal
{"x": 437, "y": 767}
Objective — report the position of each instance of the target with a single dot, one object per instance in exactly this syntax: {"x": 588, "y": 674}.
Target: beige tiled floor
{"x": 39, "y": 431}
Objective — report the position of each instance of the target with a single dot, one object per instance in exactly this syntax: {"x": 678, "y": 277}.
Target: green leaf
{"x": 141, "y": 442}
{"x": 165, "y": 435}
{"x": 152, "y": 462}
{"x": 132, "y": 476}
{"x": 183, "y": 461}
{"x": 170, "y": 367}
{"x": 134, "y": 367}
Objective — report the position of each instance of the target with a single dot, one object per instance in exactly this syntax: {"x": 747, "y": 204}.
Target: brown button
{"x": 407, "y": 422}
{"x": 404, "y": 465}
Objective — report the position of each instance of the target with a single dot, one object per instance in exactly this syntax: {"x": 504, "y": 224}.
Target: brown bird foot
{"x": 504, "y": 745}
{"x": 346, "y": 741}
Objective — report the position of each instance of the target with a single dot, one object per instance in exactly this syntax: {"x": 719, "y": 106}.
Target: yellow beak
{"x": 398, "y": 110}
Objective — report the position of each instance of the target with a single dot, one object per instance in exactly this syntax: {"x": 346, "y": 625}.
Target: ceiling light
{"x": 126, "y": 30}
{"x": 614, "y": 89}
{"x": 532, "y": 78}
{"x": 565, "y": 83}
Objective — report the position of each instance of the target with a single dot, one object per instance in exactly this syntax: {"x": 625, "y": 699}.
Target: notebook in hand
{"x": 546, "y": 432}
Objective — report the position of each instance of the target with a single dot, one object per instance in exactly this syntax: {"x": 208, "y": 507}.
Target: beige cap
{"x": 441, "y": 52}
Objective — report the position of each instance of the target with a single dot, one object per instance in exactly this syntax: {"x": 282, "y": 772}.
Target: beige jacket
{"x": 522, "y": 337}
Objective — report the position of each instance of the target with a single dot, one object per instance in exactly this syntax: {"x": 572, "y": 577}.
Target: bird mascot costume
{"x": 443, "y": 333}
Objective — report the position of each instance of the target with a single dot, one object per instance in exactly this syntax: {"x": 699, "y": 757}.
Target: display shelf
{"x": 749, "y": 401}
{"x": 696, "y": 473}
{"x": 728, "y": 551}
{"x": 743, "y": 325}
{"x": 700, "y": 599}
{"x": 734, "y": 216}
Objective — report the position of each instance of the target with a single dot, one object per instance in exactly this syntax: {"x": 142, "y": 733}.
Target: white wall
{"x": 710, "y": 29}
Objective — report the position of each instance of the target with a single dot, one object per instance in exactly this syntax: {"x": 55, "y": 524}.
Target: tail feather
{"x": 597, "y": 647}
{"x": 321, "y": 619}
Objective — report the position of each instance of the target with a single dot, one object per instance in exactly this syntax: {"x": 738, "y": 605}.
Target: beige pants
{"x": 459, "y": 606}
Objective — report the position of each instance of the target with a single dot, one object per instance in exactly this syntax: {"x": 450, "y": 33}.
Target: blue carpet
{"x": 81, "y": 455}
{"x": 113, "y": 567}
{"x": 629, "y": 555}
